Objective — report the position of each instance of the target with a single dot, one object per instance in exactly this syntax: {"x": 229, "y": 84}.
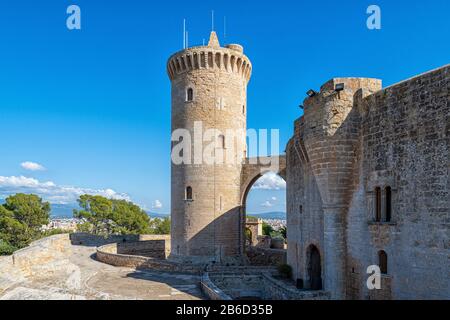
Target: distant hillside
{"x": 63, "y": 210}
{"x": 66, "y": 211}
{"x": 158, "y": 215}
{"x": 269, "y": 215}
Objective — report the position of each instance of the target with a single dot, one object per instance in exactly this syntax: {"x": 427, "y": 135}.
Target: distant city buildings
{"x": 276, "y": 224}
{"x": 66, "y": 224}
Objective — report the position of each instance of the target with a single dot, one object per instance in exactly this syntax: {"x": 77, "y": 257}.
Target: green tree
{"x": 13, "y": 232}
{"x": 21, "y": 219}
{"x": 30, "y": 210}
{"x": 129, "y": 218}
{"x": 104, "y": 216}
{"x": 97, "y": 211}
{"x": 283, "y": 232}
{"x": 267, "y": 229}
{"x": 161, "y": 226}
{"x": 6, "y": 249}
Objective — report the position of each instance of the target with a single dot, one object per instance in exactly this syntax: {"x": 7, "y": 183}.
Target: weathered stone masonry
{"x": 367, "y": 175}
{"x": 209, "y": 87}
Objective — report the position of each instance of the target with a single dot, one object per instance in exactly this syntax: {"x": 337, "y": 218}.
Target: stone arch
{"x": 202, "y": 60}
{"x": 314, "y": 267}
{"x": 244, "y": 66}
{"x": 178, "y": 66}
{"x": 225, "y": 61}
{"x": 238, "y": 65}
{"x": 254, "y": 169}
{"x": 218, "y": 60}
{"x": 189, "y": 62}
{"x": 196, "y": 58}
{"x": 232, "y": 62}
{"x": 183, "y": 63}
{"x": 210, "y": 60}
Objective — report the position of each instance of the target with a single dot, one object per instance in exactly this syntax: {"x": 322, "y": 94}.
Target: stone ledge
{"x": 108, "y": 254}
{"x": 211, "y": 290}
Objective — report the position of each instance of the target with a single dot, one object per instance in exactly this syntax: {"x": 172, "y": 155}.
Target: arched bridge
{"x": 255, "y": 168}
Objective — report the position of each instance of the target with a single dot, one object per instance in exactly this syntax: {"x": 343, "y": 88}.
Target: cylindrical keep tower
{"x": 209, "y": 100}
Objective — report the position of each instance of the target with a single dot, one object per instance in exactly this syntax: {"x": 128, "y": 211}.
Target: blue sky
{"x": 93, "y": 106}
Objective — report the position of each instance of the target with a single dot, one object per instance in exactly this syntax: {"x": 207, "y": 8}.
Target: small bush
{"x": 6, "y": 249}
{"x": 285, "y": 271}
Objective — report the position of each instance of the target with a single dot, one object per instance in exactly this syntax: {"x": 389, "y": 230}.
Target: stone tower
{"x": 209, "y": 85}
{"x": 330, "y": 135}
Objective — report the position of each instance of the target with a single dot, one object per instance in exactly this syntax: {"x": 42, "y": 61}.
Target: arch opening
{"x": 264, "y": 204}
{"x": 314, "y": 267}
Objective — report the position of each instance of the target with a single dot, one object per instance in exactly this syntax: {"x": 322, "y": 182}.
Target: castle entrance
{"x": 314, "y": 268}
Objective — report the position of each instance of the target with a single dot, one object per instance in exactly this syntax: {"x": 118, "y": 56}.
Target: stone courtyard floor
{"x": 81, "y": 277}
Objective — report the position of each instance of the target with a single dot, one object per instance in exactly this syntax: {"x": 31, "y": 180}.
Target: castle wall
{"x": 304, "y": 211}
{"x": 347, "y": 144}
{"x": 404, "y": 144}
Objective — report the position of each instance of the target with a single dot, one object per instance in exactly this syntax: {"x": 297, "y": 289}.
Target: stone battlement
{"x": 230, "y": 59}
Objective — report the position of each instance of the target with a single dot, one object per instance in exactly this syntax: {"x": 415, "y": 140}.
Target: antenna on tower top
{"x": 184, "y": 33}
{"x": 212, "y": 20}
{"x": 224, "y": 27}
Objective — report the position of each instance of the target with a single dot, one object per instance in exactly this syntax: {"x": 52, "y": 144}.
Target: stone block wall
{"x": 129, "y": 257}
{"x": 262, "y": 286}
{"x": 351, "y": 142}
{"x": 211, "y": 290}
{"x": 44, "y": 256}
{"x": 404, "y": 144}
{"x": 266, "y": 257}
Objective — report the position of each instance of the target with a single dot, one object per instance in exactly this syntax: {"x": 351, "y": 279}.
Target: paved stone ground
{"x": 81, "y": 277}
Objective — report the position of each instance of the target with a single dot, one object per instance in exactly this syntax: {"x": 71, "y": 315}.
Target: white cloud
{"x": 270, "y": 181}
{"x": 32, "y": 166}
{"x": 274, "y": 199}
{"x": 267, "y": 204}
{"x": 51, "y": 192}
{"x": 157, "y": 204}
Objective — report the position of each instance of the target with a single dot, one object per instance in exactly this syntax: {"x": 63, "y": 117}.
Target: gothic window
{"x": 378, "y": 204}
{"x": 383, "y": 262}
{"x": 189, "y": 95}
{"x": 388, "y": 199}
{"x": 189, "y": 194}
{"x": 243, "y": 110}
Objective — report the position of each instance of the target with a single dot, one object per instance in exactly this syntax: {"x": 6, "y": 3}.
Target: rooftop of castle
{"x": 230, "y": 58}
{"x": 213, "y": 43}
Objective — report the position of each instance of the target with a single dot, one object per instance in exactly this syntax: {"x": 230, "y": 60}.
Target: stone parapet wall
{"x": 260, "y": 285}
{"x": 109, "y": 254}
{"x": 266, "y": 257}
{"x": 211, "y": 290}
{"x": 42, "y": 257}
{"x": 277, "y": 290}
{"x": 91, "y": 240}
{"x": 150, "y": 249}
